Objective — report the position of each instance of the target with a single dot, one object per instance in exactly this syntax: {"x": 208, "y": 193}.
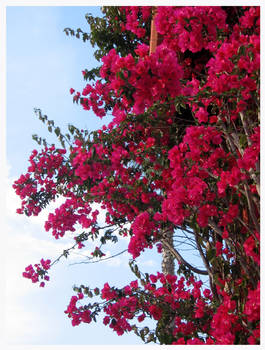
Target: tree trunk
{"x": 168, "y": 263}
{"x": 166, "y": 325}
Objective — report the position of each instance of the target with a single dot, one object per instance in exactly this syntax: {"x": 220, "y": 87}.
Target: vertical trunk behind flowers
{"x": 155, "y": 38}
{"x": 166, "y": 325}
{"x": 153, "y": 35}
{"x": 168, "y": 264}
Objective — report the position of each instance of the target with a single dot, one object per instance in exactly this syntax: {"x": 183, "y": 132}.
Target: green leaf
{"x": 243, "y": 141}
{"x": 57, "y": 131}
{"x": 135, "y": 329}
{"x": 151, "y": 337}
{"x": 90, "y": 294}
{"x": 210, "y": 254}
{"x": 62, "y": 141}
{"x": 51, "y": 122}
{"x": 146, "y": 330}
{"x": 96, "y": 291}
{"x": 142, "y": 334}
{"x": 71, "y": 128}
{"x": 66, "y": 253}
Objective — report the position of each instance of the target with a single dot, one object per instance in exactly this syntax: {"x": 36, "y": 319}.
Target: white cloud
{"x": 26, "y": 242}
{"x": 21, "y": 322}
{"x": 148, "y": 263}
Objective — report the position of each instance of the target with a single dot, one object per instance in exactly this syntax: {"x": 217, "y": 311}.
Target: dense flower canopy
{"x": 181, "y": 153}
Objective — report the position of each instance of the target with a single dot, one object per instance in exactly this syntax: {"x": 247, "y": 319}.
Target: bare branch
{"x": 215, "y": 228}
{"x": 251, "y": 209}
{"x": 246, "y": 128}
{"x": 205, "y": 261}
{"x": 181, "y": 260}
{"x": 93, "y": 262}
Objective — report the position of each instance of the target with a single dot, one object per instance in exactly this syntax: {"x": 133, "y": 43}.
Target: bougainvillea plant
{"x": 181, "y": 153}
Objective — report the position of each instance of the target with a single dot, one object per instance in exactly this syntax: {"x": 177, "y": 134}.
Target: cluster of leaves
{"x": 105, "y": 34}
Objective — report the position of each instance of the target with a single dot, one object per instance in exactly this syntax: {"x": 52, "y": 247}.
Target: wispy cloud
{"x": 26, "y": 242}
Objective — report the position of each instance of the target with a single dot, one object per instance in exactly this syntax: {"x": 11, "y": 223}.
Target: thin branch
{"x": 246, "y": 128}
{"x": 215, "y": 228}
{"x": 209, "y": 173}
{"x": 181, "y": 260}
{"x": 93, "y": 262}
{"x": 184, "y": 241}
{"x": 205, "y": 261}
{"x": 245, "y": 225}
{"x": 251, "y": 209}
{"x": 186, "y": 230}
{"x": 228, "y": 139}
{"x": 65, "y": 254}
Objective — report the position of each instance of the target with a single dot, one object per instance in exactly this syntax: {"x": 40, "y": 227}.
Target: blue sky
{"x": 42, "y": 65}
